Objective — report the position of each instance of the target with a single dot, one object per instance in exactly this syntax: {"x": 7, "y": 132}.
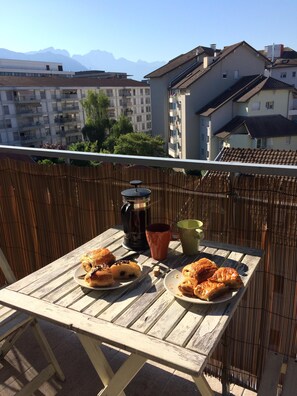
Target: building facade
{"x": 253, "y": 113}
{"x": 25, "y": 68}
{"x": 40, "y": 110}
{"x": 187, "y": 83}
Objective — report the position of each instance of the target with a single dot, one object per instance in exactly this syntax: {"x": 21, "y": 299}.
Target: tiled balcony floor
{"x": 81, "y": 378}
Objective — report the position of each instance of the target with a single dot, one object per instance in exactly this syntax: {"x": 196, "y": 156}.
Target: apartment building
{"x": 253, "y": 113}
{"x": 48, "y": 109}
{"x": 283, "y": 67}
{"x": 25, "y": 68}
{"x": 189, "y": 82}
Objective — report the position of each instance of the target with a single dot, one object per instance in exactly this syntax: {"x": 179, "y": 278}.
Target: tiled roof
{"x": 192, "y": 77}
{"x": 230, "y": 94}
{"x": 281, "y": 63}
{"x": 260, "y": 127}
{"x": 180, "y": 61}
{"x": 267, "y": 83}
{"x": 260, "y": 156}
{"x": 13, "y": 81}
{"x": 243, "y": 90}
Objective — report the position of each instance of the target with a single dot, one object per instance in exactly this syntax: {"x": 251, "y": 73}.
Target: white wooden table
{"x": 144, "y": 318}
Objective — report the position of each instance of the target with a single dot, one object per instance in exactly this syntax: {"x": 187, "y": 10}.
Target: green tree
{"x": 88, "y": 147}
{"x": 97, "y": 121}
{"x": 140, "y": 143}
{"x": 122, "y": 126}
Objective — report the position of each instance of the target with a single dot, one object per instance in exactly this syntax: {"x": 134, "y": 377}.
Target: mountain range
{"x": 94, "y": 60}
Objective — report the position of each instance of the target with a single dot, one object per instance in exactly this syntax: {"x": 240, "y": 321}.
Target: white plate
{"x": 173, "y": 279}
{"x": 118, "y": 284}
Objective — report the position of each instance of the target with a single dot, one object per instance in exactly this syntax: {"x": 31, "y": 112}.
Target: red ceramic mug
{"x": 158, "y": 236}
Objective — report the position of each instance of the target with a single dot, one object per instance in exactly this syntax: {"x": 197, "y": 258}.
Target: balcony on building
{"x": 47, "y": 211}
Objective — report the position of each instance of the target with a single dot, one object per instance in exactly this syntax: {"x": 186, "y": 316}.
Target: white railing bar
{"x": 233, "y": 167}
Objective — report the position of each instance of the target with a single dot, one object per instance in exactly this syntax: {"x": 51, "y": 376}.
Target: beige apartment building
{"x": 208, "y": 99}
{"x": 188, "y": 83}
{"x": 253, "y": 113}
{"x": 48, "y": 109}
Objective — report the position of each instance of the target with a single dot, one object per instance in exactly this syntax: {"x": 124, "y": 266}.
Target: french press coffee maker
{"x": 136, "y": 216}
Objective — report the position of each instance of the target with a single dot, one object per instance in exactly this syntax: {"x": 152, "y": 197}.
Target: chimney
{"x": 207, "y": 60}
{"x": 213, "y": 46}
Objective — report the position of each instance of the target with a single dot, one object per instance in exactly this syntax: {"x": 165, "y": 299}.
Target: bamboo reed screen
{"x": 46, "y": 211}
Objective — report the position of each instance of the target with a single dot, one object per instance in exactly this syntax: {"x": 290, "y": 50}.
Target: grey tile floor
{"x": 24, "y": 360}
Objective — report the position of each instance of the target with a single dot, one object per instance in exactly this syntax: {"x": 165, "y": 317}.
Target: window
{"x": 9, "y": 95}
{"x": 256, "y": 106}
{"x": 293, "y": 74}
{"x": 236, "y": 74}
{"x": 139, "y": 118}
{"x": 224, "y": 75}
{"x": 147, "y": 91}
{"x": 47, "y": 67}
{"x": 5, "y": 110}
{"x": 261, "y": 143}
{"x": 269, "y": 105}
{"x": 8, "y": 123}
{"x": 60, "y": 67}
{"x": 283, "y": 75}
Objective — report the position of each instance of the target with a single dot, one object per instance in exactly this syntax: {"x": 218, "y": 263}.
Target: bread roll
{"x": 97, "y": 257}
{"x": 125, "y": 269}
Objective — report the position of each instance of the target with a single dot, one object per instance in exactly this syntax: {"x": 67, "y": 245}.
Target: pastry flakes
{"x": 209, "y": 290}
{"x": 229, "y": 276}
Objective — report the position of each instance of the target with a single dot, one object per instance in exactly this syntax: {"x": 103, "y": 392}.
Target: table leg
{"x": 124, "y": 375}
{"x": 203, "y": 385}
{"x": 114, "y": 383}
{"x": 226, "y": 365}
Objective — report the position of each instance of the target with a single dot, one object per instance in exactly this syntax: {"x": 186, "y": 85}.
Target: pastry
{"x": 99, "y": 276}
{"x": 209, "y": 290}
{"x": 125, "y": 269}
{"x": 200, "y": 270}
{"x": 97, "y": 257}
{"x": 229, "y": 276}
{"x": 186, "y": 287}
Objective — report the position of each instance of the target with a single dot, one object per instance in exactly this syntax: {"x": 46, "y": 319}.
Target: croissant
{"x": 186, "y": 287}
{"x": 209, "y": 290}
{"x": 200, "y": 270}
{"x": 229, "y": 276}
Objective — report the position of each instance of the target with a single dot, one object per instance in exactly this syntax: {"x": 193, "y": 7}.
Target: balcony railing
{"x": 46, "y": 211}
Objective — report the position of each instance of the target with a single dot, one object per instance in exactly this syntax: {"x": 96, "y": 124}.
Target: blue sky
{"x": 155, "y": 30}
